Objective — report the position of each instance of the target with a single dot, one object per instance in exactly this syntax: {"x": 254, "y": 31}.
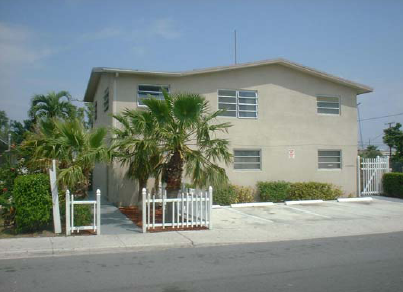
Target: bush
{"x": 243, "y": 194}
{"x": 224, "y": 195}
{"x": 273, "y": 191}
{"x": 232, "y": 194}
{"x": 280, "y": 191}
{"x": 33, "y": 202}
{"x": 314, "y": 191}
{"x": 82, "y": 215}
{"x": 393, "y": 184}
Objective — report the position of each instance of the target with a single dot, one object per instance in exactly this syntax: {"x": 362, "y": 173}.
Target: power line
{"x": 376, "y": 118}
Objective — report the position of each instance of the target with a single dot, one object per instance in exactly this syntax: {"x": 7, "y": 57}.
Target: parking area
{"x": 330, "y": 218}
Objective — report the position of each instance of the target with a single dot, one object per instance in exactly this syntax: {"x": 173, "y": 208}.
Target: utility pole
{"x": 235, "y": 46}
{"x": 390, "y": 148}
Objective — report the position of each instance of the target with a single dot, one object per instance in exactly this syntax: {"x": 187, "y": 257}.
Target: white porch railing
{"x": 191, "y": 208}
{"x": 70, "y": 203}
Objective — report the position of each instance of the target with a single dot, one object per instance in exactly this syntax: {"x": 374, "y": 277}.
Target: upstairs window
{"x": 247, "y": 159}
{"x": 329, "y": 159}
{"x": 238, "y": 103}
{"x": 106, "y": 99}
{"x": 328, "y": 105}
{"x": 145, "y": 91}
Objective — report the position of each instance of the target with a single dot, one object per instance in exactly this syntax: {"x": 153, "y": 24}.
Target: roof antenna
{"x": 235, "y": 46}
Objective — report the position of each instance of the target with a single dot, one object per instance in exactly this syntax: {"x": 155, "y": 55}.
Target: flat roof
{"x": 97, "y": 71}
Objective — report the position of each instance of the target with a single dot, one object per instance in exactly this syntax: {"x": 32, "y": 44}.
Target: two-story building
{"x": 290, "y": 122}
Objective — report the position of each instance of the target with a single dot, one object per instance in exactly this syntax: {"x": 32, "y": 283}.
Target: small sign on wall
{"x": 291, "y": 153}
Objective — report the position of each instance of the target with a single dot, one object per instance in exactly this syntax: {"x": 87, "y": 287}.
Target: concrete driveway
{"x": 281, "y": 222}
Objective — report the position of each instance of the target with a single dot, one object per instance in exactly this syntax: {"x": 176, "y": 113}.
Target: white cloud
{"x": 165, "y": 28}
{"x": 104, "y": 33}
{"x": 17, "y": 46}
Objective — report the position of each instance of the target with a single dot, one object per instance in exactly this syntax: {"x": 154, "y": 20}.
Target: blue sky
{"x": 52, "y": 45}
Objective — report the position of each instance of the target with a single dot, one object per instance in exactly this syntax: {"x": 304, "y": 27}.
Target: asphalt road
{"x": 357, "y": 263}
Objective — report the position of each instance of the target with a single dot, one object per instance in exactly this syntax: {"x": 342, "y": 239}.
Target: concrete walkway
{"x": 231, "y": 226}
{"x": 113, "y": 221}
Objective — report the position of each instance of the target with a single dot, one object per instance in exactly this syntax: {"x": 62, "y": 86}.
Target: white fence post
{"x": 358, "y": 176}
{"x": 68, "y": 230}
{"x": 210, "y": 192}
{"x": 144, "y": 210}
{"x": 98, "y": 211}
{"x": 55, "y": 198}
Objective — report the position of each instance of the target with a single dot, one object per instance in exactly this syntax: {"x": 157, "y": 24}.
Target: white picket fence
{"x": 370, "y": 173}
{"x": 70, "y": 203}
{"x": 192, "y": 208}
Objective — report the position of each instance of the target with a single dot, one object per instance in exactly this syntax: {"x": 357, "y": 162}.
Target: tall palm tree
{"x": 54, "y": 104}
{"x": 134, "y": 146}
{"x": 182, "y": 129}
{"x": 74, "y": 147}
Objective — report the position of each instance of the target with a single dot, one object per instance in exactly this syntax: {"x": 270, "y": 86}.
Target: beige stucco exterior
{"x": 287, "y": 119}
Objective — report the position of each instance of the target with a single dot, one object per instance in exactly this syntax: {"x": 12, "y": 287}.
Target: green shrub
{"x": 273, "y": 191}
{"x": 224, "y": 195}
{"x": 83, "y": 215}
{"x": 33, "y": 202}
{"x": 314, "y": 191}
{"x": 232, "y": 194}
{"x": 393, "y": 184}
{"x": 244, "y": 194}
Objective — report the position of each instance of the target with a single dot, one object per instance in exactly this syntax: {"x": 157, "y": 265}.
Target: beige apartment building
{"x": 290, "y": 122}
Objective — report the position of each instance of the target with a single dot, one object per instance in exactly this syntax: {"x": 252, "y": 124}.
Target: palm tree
{"x": 182, "y": 129}
{"x": 134, "y": 146}
{"x": 74, "y": 147}
{"x": 52, "y": 105}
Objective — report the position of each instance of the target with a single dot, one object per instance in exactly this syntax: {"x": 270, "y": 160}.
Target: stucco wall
{"x": 287, "y": 119}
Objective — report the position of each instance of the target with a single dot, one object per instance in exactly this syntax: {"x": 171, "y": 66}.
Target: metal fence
{"x": 70, "y": 203}
{"x": 370, "y": 172}
{"x": 191, "y": 208}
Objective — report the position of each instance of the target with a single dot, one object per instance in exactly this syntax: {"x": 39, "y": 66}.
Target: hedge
{"x": 232, "y": 194}
{"x": 273, "y": 191}
{"x": 280, "y": 191}
{"x": 393, "y": 184}
{"x": 314, "y": 191}
{"x": 33, "y": 202}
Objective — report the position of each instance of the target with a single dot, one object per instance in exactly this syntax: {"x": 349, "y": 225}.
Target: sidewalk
{"x": 231, "y": 226}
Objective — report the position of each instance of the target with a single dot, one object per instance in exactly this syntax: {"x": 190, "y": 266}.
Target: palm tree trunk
{"x": 172, "y": 176}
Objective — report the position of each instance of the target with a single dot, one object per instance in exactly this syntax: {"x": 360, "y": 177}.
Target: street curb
{"x": 346, "y": 200}
{"x": 243, "y": 205}
{"x": 8, "y": 255}
{"x": 303, "y": 202}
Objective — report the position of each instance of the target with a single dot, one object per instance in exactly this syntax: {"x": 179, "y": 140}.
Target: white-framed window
{"x": 106, "y": 99}
{"x": 247, "y": 159}
{"x": 146, "y": 90}
{"x": 329, "y": 105}
{"x": 329, "y": 159}
{"x": 238, "y": 103}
